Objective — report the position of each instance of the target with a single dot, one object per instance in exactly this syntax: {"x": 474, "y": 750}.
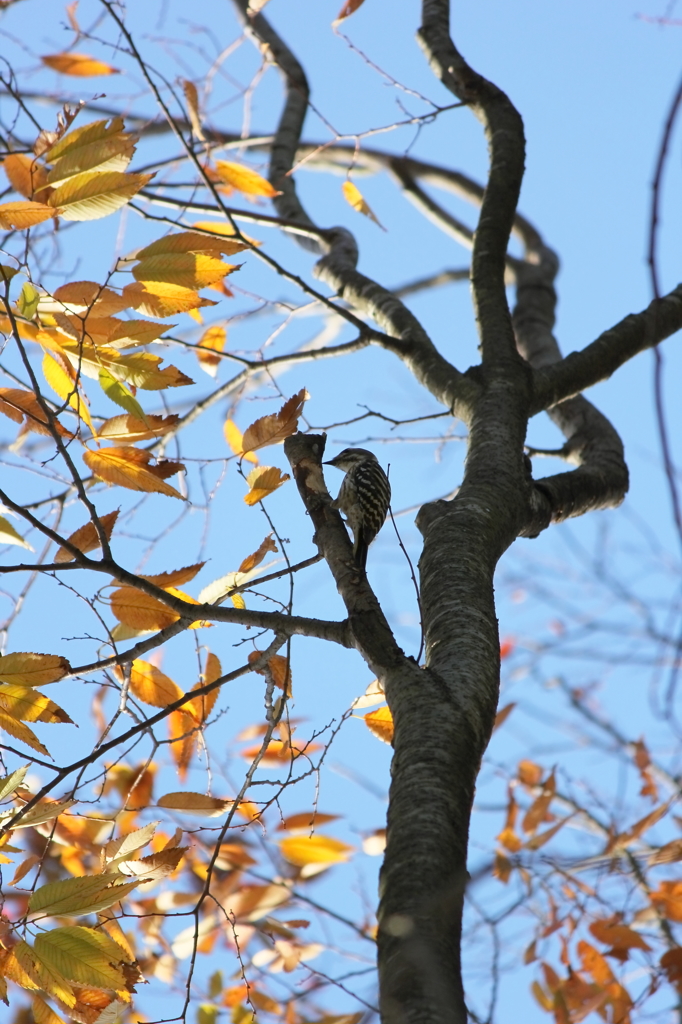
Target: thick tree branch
{"x": 597, "y": 361}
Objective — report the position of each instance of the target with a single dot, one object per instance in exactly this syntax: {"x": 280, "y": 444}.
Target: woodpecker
{"x": 364, "y": 497}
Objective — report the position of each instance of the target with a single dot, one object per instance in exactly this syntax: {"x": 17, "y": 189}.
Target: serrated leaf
{"x": 302, "y": 850}
{"x": 175, "y": 577}
{"x": 123, "y": 846}
{"x": 223, "y": 228}
{"x": 86, "y": 538}
{"x": 43, "y": 974}
{"x": 262, "y": 482}
{"x": 83, "y": 956}
{"x": 109, "y": 154}
{"x": 127, "y": 467}
{"x": 79, "y": 896}
{"x": 244, "y": 179}
{"x": 157, "y": 298}
{"x": 93, "y": 195}
{"x": 8, "y": 535}
{"x": 152, "y": 686}
{"x": 131, "y": 429}
{"x": 26, "y": 704}
{"x": 380, "y": 722}
{"x": 191, "y": 242}
{"x": 80, "y": 65}
{"x": 42, "y": 1013}
{"x": 44, "y": 810}
{"x": 277, "y": 426}
{"x": 184, "y": 269}
{"x": 234, "y": 438}
{"x": 83, "y": 296}
{"x": 24, "y": 214}
{"x": 11, "y": 782}
{"x": 195, "y": 803}
{"x": 28, "y": 669}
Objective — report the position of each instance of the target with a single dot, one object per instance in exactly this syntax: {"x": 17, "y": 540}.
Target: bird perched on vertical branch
{"x": 364, "y": 497}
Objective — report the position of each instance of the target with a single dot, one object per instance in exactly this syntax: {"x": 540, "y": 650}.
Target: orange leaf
{"x": 127, "y": 467}
{"x": 78, "y": 64}
{"x": 262, "y": 482}
{"x": 595, "y": 964}
{"x": 24, "y": 214}
{"x": 244, "y": 179}
{"x": 251, "y": 561}
{"x": 176, "y": 577}
{"x": 276, "y": 427}
{"x": 302, "y": 850}
{"x": 26, "y": 176}
{"x": 380, "y": 722}
{"x": 277, "y": 668}
{"x": 619, "y": 936}
{"x": 85, "y": 538}
{"x": 150, "y": 685}
{"x": 158, "y": 298}
{"x": 668, "y": 900}
{"x": 537, "y": 812}
{"x": 127, "y": 427}
{"x": 506, "y": 648}
{"x": 529, "y": 773}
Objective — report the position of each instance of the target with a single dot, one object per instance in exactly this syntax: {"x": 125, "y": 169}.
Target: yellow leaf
{"x": 223, "y": 227}
{"x": 233, "y": 436}
{"x": 141, "y": 369}
{"x": 184, "y": 269}
{"x": 44, "y": 975}
{"x": 195, "y": 803}
{"x": 28, "y": 669}
{"x": 80, "y": 65}
{"x": 42, "y": 1014}
{"x": 129, "y": 428}
{"x": 8, "y": 535}
{"x": 157, "y": 298}
{"x": 127, "y": 467}
{"x": 119, "y": 394}
{"x": 25, "y": 175}
{"x": 29, "y": 705}
{"x": 152, "y": 686}
{"x": 244, "y": 179}
{"x": 44, "y": 810}
{"x": 64, "y": 384}
{"x": 380, "y": 722}
{"x": 79, "y": 896}
{"x": 212, "y": 340}
{"x": 86, "y": 538}
{"x": 263, "y": 481}
{"x": 191, "y": 242}
{"x": 24, "y": 214}
{"x": 353, "y": 196}
{"x": 302, "y": 850}
{"x": 192, "y": 99}
{"x": 93, "y": 195}
{"x": 84, "y": 956}
{"x": 9, "y": 783}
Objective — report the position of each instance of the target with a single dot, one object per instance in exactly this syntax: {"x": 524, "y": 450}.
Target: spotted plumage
{"x": 364, "y": 497}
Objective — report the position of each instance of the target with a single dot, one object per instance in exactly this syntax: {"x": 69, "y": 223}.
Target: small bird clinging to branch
{"x": 364, "y": 497}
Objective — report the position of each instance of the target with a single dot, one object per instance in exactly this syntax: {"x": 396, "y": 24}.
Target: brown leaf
{"x": 176, "y": 577}
{"x": 503, "y": 714}
{"x": 276, "y": 427}
{"x": 529, "y": 773}
{"x": 349, "y": 8}
{"x": 538, "y": 810}
{"x": 251, "y": 561}
{"x": 192, "y": 100}
{"x": 85, "y": 538}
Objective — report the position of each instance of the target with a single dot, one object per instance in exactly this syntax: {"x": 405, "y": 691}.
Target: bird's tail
{"x": 360, "y": 550}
